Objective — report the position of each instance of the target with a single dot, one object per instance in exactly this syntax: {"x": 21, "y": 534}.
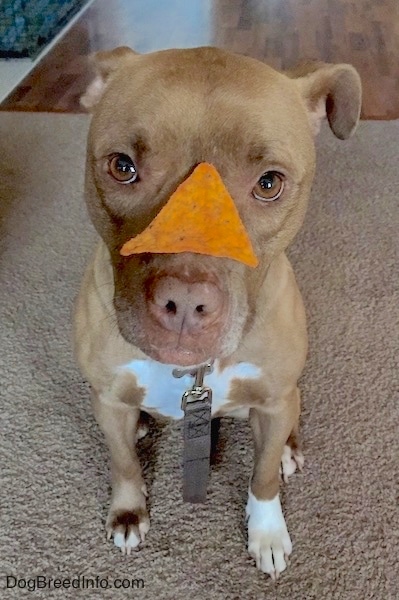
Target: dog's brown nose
{"x": 184, "y": 307}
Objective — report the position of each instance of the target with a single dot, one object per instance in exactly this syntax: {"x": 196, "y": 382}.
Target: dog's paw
{"x": 128, "y": 528}
{"x": 142, "y": 431}
{"x": 269, "y": 542}
{"x": 142, "y": 426}
{"x": 291, "y": 460}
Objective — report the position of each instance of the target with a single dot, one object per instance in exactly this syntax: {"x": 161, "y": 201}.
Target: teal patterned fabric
{"x": 28, "y": 25}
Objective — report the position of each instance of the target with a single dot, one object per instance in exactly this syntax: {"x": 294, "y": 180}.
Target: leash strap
{"x": 197, "y": 407}
{"x": 197, "y": 448}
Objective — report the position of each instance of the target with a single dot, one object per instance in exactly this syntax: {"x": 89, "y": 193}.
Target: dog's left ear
{"x": 332, "y": 91}
{"x": 105, "y": 63}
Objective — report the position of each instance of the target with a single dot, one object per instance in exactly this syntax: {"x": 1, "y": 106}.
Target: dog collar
{"x": 197, "y": 406}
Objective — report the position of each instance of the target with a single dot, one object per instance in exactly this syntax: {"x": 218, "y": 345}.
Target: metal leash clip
{"x": 198, "y": 392}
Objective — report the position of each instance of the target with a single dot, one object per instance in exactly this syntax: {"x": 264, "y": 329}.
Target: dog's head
{"x": 156, "y": 118}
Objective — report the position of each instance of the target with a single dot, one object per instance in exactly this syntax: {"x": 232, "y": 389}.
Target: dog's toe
{"x": 270, "y": 551}
{"x": 128, "y": 529}
{"x": 126, "y": 543}
{"x": 143, "y": 426}
{"x": 291, "y": 460}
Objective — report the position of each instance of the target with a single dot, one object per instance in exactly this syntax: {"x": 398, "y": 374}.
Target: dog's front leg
{"x": 268, "y": 538}
{"x": 127, "y": 520}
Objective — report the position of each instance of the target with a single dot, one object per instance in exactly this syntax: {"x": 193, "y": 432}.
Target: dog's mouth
{"x": 179, "y": 356}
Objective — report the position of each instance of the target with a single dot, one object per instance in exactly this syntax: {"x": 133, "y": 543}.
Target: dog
{"x": 156, "y": 118}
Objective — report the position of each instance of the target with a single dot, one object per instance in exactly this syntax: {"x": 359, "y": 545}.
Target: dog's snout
{"x": 186, "y": 307}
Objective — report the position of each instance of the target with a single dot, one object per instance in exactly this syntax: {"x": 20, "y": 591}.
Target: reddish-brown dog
{"x": 156, "y": 117}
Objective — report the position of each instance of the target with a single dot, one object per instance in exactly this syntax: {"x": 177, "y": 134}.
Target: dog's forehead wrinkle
{"x": 140, "y": 145}
{"x": 203, "y": 123}
{"x": 197, "y": 82}
{"x": 262, "y": 150}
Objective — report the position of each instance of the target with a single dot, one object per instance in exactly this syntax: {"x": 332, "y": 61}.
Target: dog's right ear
{"x": 105, "y": 63}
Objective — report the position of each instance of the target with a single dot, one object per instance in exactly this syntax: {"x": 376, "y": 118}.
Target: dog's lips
{"x": 178, "y": 356}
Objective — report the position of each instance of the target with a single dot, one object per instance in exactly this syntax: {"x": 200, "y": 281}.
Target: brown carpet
{"x": 342, "y": 512}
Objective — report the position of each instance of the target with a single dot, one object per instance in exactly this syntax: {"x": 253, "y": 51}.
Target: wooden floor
{"x": 280, "y": 32}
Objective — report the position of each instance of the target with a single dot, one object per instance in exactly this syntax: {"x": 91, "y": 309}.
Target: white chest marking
{"x": 164, "y": 392}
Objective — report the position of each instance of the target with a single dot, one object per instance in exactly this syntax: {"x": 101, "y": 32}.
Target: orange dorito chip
{"x": 199, "y": 217}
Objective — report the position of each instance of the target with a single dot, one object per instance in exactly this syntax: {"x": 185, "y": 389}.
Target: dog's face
{"x": 156, "y": 117}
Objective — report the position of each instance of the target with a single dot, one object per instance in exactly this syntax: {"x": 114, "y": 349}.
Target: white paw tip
{"x": 119, "y": 540}
{"x": 144, "y": 528}
{"x": 126, "y": 545}
{"x": 141, "y": 432}
{"x": 300, "y": 460}
{"x": 268, "y": 539}
{"x": 291, "y": 460}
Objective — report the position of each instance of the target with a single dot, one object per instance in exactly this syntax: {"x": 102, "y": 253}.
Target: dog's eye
{"x": 269, "y": 187}
{"x": 122, "y": 168}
